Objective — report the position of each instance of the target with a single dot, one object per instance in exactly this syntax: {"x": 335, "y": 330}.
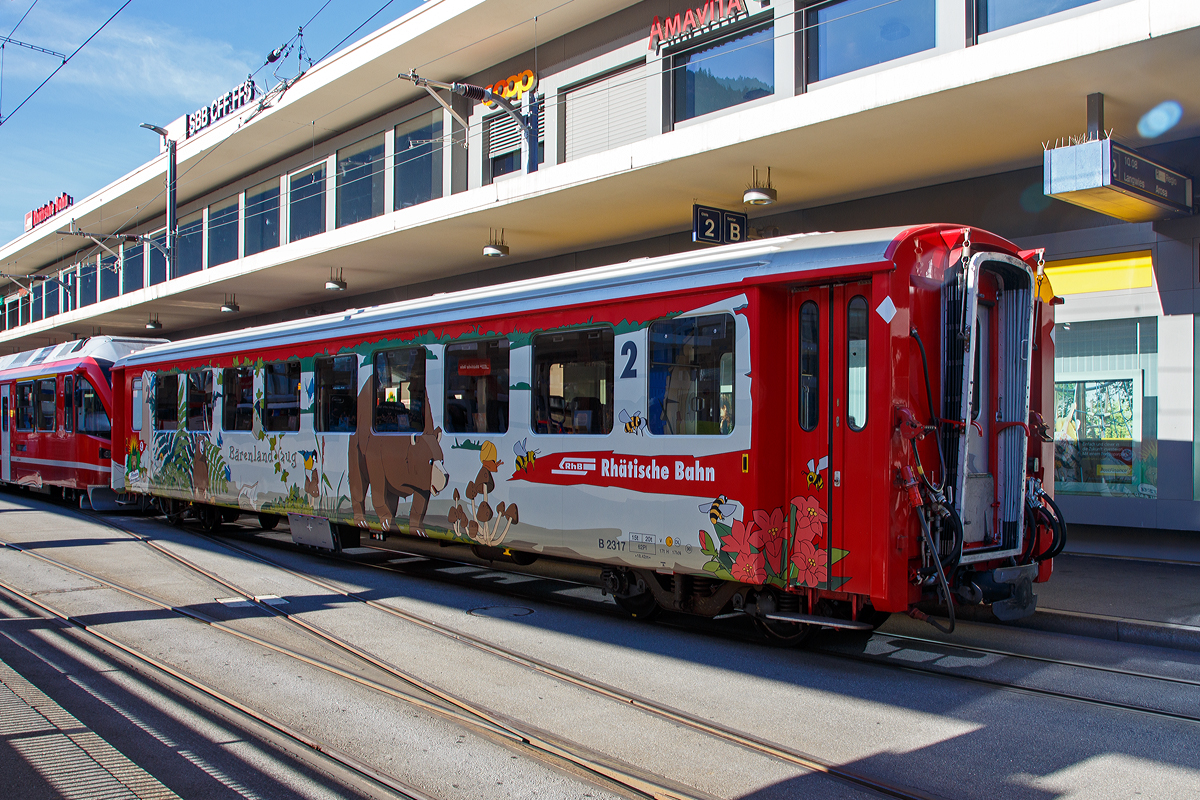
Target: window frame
{"x": 190, "y": 381}
{"x": 230, "y": 400}
{"x": 137, "y": 405}
{"x": 269, "y": 410}
{"x": 812, "y": 390}
{"x": 535, "y": 383}
{"x": 322, "y": 194}
{"x": 319, "y": 416}
{"x": 672, "y": 68}
{"x": 865, "y": 311}
{"x": 69, "y": 403}
{"x": 161, "y": 380}
{"x": 731, "y": 322}
{"x": 446, "y": 387}
{"x": 29, "y": 407}
{"x": 39, "y": 407}
{"x": 425, "y": 410}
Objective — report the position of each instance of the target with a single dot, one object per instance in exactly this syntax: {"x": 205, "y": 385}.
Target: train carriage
{"x": 813, "y": 429}
{"x": 55, "y": 406}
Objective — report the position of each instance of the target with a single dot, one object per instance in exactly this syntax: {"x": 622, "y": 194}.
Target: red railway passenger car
{"x": 55, "y": 406}
{"x": 814, "y": 430}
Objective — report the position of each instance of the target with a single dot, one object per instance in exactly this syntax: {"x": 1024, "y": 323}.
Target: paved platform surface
{"x": 1131, "y": 585}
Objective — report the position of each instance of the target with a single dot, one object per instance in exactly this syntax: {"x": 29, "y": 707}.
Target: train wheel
{"x": 209, "y": 517}
{"x": 268, "y": 521}
{"x": 229, "y": 515}
{"x": 639, "y": 606}
{"x": 779, "y": 632}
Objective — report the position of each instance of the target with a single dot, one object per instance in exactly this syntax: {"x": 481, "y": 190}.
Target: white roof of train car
{"x": 692, "y": 270}
{"x": 104, "y": 348}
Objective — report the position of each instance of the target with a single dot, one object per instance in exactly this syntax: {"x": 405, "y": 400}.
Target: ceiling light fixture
{"x": 230, "y": 305}
{"x": 153, "y": 324}
{"x": 760, "y": 193}
{"x": 337, "y": 284}
{"x": 495, "y": 248}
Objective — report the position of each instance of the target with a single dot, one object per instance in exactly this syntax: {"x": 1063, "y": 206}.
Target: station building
{"x": 347, "y": 186}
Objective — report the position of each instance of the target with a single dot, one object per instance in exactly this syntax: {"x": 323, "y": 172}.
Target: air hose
{"x": 1060, "y": 539}
{"x": 941, "y": 576}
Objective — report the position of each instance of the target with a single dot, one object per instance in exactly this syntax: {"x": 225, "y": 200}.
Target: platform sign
{"x": 717, "y": 226}
{"x": 1133, "y": 174}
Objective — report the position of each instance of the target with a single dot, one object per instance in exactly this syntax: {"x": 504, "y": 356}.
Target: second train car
{"x": 815, "y": 430}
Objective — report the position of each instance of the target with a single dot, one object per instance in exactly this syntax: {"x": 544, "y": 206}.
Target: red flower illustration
{"x": 742, "y": 539}
{"x": 810, "y": 520}
{"x": 772, "y": 532}
{"x": 749, "y": 568}
{"x": 705, "y": 541}
{"x": 812, "y": 563}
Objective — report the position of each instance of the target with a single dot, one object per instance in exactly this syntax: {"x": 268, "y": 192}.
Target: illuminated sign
{"x": 40, "y": 215}
{"x": 220, "y": 108}
{"x": 694, "y": 20}
{"x": 514, "y": 87}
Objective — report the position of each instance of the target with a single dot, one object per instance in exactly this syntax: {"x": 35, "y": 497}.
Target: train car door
{"x": 828, "y": 470}
{"x": 6, "y": 468}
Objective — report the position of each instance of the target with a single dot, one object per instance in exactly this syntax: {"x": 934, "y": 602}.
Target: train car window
{"x": 281, "y": 386}
{"x": 69, "y": 403}
{"x": 166, "y": 402}
{"x": 856, "y": 363}
{"x": 25, "y": 406}
{"x": 47, "y": 403}
{"x": 4, "y": 411}
{"x": 237, "y": 408}
{"x": 199, "y": 400}
{"x": 90, "y": 416}
{"x": 975, "y": 389}
{"x": 337, "y": 394}
{"x": 810, "y": 365}
{"x": 135, "y": 417}
{"x": 400, "y": 390}
{"x": 477, "y": 387}
{"x": 573, "y": 382}
{"x": 691, "y": 377}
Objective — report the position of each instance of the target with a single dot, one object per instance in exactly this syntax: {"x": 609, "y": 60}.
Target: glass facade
{"x": 51, "y": 298}
{"x": 418, "y": 161}
{"x": 262, "y": 217}
{"x": 133, "y": 273}
{"x": 70, "y": 294}
{"x": 87, "y": 283}
{"x": 1106, "y": 407}
{"x": 360, "y": 181}
{"x": 158, "y": 261}
{"x": 223, "y": 232}
{"x": 992, "y": 15}
{"x": 306, "y": 204}
{"x": 36, "y": 308}
{"x": 189, "y": 244}
{"x": 725, "y": 73}
{"x": 852, "y": 34}
{"x": 110, "y": 278}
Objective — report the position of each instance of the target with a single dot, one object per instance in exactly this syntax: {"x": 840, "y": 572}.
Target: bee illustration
{"x": 525, "y": 458}
{"x": 719, "y": 509}
{"x": 633, "y": 424}
{"x": 815, "y": 478}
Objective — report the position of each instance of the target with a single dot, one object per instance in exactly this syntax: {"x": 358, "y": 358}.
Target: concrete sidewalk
{"x": 1124, "y": 584}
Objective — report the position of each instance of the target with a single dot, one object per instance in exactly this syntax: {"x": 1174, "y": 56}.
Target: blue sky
{"x": 158, "y": 60}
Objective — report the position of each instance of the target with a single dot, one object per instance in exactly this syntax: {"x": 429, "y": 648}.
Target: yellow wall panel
{"x": 1102, "y": 273}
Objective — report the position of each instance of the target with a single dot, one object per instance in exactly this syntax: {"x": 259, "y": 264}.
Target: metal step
{"x": 825, "y": 622}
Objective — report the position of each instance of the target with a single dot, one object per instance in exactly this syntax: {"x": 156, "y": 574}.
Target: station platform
{"x": 1130, "y": 585}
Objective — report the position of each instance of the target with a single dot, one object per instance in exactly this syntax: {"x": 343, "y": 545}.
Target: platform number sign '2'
{"x": 717, "y": 226}
{"x": 629, "y": 349}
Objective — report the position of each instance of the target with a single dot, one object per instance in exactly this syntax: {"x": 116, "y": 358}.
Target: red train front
{"x": 812, "y": 430}
{"x": 55, "y": 407}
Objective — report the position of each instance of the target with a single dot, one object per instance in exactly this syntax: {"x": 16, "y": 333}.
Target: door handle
{"x": 837, "y": 478}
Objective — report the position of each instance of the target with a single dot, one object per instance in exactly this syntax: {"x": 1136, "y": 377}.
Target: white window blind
{"x": 606, "y": 113}
{"x": 504, "y": 136}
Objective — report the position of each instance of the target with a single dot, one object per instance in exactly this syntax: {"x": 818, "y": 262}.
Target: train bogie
{"x": 812, "y": 430}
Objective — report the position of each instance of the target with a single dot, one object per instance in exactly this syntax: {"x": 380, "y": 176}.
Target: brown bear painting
{"x": 393, "y": 466}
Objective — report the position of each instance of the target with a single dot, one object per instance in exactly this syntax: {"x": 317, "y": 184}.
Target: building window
{"x": 47, "y": 403}
{"x": 38, "y": 291}
{"x": 849, "y": 35}
{"x": 262, "y": 217}
{"x": 724, "y": 73}
{"x": 573, "y": 382}
{"x": 810, "y": 365}
{"x": 87, "y": 283}
{"x": 90, "y": 416}
{"x": 26, "y": 310}
{"x": 337, "y": 394}
{"x": 418, "y": 160}
{"x": 360, "y": 181}
{"x": 166, "y": 402}
{"x": 132, "y": 270}
{"x": 189, "y": 245}
{"x": 51, "y": 298}
{"x": 690, "y": 376}
{"x": 25, "y": 406}
{"x": 992, "y": 15}
{"x": 110, "y": 278}
{"x": 237, "y": 407}
{"x": 400, "y": 390}
{"x": 70, "y": 294}
{"x": 477, "y": 387}
{"x": 306, "y": 203}
{"x": 223, "y": 232}
{"x": 505, "y": 139}
{"x": 199, "y": 400}
{"x": 281, "y": 386}
{"x": 606, "y": 113}
{"x": 1106, "y": 407}
{"x": 158, "y": 261}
